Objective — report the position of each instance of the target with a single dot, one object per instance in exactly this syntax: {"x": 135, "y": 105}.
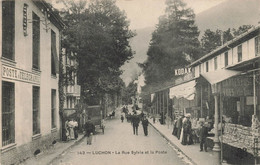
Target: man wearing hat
{"x": 90, "y": 129}
{"x": 203, "y": 135}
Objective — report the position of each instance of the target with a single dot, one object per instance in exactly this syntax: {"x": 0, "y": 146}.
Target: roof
{"x": 54, "y": 17}
{"x": 232, "y": 43}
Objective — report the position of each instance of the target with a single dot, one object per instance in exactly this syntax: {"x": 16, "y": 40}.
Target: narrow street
{"x": 119, "y": 146}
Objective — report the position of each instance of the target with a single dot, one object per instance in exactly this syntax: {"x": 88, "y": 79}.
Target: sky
{"x": 145, "y": 13}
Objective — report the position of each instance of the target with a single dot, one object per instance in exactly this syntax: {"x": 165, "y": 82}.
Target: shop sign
{"x": 182, "y": 71}
{"x": 237, "y": 86}
{"x": 19, "y": 75}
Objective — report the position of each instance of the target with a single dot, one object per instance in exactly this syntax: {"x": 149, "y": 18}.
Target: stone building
{"x": 29, "y": 97}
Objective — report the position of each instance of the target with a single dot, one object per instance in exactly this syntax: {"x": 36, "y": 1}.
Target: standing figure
{"x": 203, "y": 135}
{"x": 145, "y": 125}
{"x": 135, "y": 122}
{"x": 186, "y": 130}
{"x": 67, "y": 130}
{"x": 122, "y": 118}
{"x": 179, "y": 126}
{"x": 75, "y": 123}
{"x": 71, "y": 129}
{"x": 90, "y": 129}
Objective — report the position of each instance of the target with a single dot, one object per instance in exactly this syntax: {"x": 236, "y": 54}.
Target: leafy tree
{"x": 99, "y": 36}
{"x": 212, "y": 39}
{"x": 241, "y": 29}
{"x": 174, "y": 43}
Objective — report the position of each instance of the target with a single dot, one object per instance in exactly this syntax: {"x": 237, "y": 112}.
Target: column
{"x": 216, "y": 147}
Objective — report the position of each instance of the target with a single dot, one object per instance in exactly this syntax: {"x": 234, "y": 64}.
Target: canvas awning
{"x": 219, "y": 75}
{"x": 185, "y": 90}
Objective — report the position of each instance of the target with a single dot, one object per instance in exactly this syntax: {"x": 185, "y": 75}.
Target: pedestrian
{"x": 122, "y": 118}
{"x": 187, "y": 139}
{"x": 67, "y": 130}
{"x": 135, "y": 122}
{"x": 203, "y": 135}
{"x": 179, "y": 126}
{"x": 153, "y": 118}
{"x": 71, "y": 129}
{"x": 75, "y": 124}
{"x": 145, "y": 125}
{"x": 89, "y": 130}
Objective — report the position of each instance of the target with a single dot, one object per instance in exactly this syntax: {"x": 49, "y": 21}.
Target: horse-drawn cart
{"x": 96, "y": 115}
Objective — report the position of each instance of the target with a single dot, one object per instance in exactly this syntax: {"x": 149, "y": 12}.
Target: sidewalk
{"x": 190, "y": 151}
{"x": 58, "y": 149}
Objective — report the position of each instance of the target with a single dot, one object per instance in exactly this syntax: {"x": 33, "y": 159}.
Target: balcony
{"x": 73, "y": 90}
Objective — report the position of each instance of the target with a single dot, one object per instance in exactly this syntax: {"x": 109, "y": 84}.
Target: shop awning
{"x": 219, "y": 75}
{"x": 185, "y": 90}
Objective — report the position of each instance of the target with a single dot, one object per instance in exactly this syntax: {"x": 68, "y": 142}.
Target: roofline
{"x": 55, "y": 19}
{"x": 225, "y": 45}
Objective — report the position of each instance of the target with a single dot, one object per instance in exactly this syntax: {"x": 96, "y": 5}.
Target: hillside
{"x": 229, "y": 14}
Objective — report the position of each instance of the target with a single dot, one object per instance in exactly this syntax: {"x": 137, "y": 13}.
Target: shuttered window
{"x": 8, "y": 113}
{"x": 36, "y": 41}
{"x": 8, "y": 29}
{"x": 36, "y": 110}
{"x": 53, "y": 108}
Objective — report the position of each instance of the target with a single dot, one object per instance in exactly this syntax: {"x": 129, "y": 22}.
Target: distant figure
{"x": 71, "y": 129}
{"x": 75, "y": 124}
{"x": 122, "y": 118}
{"x": 90, "y": 129}
{"x": 135, "y": 122}
{"x": 203, "y": 135}
{"x": 145, "y": 125}
{"x": 179, "y": 126}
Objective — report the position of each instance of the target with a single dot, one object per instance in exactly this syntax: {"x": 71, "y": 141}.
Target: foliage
{"x": 129, "y": 92}
{"x": 174, "y": 43}
{"x": 99, "y": 36}
{"x": 212, "y": 39}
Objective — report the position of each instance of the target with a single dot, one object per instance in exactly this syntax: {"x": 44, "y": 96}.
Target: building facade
{"x": 29, "y": 98}
{"x": 230, "y": 76}
{"x": 71, "y": 89}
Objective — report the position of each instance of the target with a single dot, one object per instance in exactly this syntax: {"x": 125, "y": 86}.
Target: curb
{"x": 165, "y": 137}
{"x": 66, "y": 149}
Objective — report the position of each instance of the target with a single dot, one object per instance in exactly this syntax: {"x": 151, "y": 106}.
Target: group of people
{"x": 136, "y": 119}
{"x": 189, "y": 130}
{"x": 71, "y": 127}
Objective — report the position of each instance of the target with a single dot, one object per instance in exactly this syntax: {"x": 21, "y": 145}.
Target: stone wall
{"x": 21, "y": 153}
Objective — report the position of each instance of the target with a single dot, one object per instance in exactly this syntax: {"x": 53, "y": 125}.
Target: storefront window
{"x": 8, "y": 110}
{"x": 36, "y": 110}
{"x": 53, "y": 108}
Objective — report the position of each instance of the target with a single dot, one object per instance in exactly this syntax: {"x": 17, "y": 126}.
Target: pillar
{"x": 216, "y": 147}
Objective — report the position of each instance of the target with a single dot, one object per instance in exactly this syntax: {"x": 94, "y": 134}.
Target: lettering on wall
{"x": 19, "y": 75}
{"x": 182, "y": 71}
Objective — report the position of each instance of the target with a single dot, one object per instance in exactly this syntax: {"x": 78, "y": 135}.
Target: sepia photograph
{"x": 130, "y": 82}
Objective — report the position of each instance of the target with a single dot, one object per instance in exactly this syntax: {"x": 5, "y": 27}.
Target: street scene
{"x": 120, "y": 146}
{"x": 174, "y": 82}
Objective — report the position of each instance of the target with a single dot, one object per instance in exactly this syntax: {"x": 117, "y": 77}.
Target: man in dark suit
{"x": 135, "y": 122}
{"x": 203, "y": 136}
{"x": 90, "y": 129}
{"x": 145, "y": 125}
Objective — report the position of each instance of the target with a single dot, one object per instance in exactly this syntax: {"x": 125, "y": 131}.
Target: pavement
{"x": 50, "y": 155}
{"x": 192, "y": 152}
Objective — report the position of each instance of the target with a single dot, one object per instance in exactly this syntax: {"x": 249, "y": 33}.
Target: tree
{"x": 174, "y": 43}
{"x": 99, "y": 36}
{"x": 212, "y": 39}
